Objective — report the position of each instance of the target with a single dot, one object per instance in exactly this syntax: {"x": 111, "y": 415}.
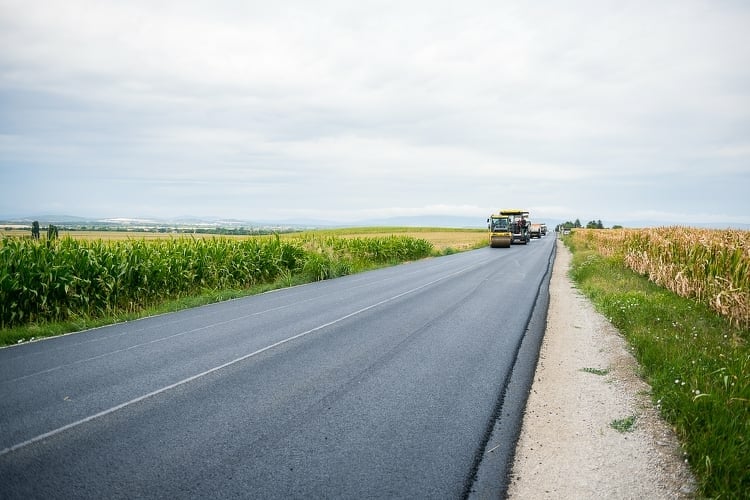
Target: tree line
{"x": 592, "y": 224}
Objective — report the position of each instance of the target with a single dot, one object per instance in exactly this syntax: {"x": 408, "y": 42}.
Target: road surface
{"x": 384, "y": 384}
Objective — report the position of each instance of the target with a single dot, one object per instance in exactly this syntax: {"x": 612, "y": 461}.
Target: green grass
{"x": 596, "y": 371}
{"x": 626, "y": 424}
{"x": 696, "y": 362}
{"x": 41, "y": 329}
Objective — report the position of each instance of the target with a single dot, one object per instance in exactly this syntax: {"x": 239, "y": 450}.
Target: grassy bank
{"x": 696, "y": 361}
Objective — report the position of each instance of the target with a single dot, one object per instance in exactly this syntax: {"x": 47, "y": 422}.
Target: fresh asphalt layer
{"x": 384, "y": 384}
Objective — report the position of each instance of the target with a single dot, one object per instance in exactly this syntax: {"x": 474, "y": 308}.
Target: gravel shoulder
{"x": 585, "y": 380}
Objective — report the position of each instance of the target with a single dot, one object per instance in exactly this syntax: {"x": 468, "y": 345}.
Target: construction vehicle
{"x": 535, "y": 230}
{"x": 544, "y": 229}
{"x": 519, "y": 224}
{"x": 499, "y": 227}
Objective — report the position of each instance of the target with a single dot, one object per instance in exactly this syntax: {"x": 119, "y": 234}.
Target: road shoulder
{"x": 586, "y": 380}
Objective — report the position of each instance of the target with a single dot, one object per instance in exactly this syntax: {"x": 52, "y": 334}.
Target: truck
{"x": 499, "y": 231}
{"x": 535, "y": 230}
{"x": 519, "y": 224}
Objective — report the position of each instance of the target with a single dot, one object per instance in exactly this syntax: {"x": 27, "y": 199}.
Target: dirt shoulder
{"x": 585, "y": 380}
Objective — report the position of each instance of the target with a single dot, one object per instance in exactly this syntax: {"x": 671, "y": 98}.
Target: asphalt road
{"x": 385, "y": 384}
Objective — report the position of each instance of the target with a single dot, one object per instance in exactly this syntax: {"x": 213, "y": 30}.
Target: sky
{"x": 344, "y": 111}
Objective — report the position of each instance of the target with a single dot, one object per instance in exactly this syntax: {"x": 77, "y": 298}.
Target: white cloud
{"x": 349, "y": 107}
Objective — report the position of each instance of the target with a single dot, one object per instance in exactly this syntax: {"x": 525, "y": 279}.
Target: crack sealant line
{"x": 161, "y": 390}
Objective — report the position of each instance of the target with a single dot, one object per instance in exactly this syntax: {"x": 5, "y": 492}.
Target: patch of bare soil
{"x": 586, "y": 384}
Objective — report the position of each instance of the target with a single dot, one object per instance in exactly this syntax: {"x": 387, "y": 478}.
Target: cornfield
{"x": 710, "y": 266}
{"x": 56, "y": 280}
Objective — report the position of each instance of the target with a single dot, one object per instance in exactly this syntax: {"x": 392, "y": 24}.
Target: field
{"x": 102, "y": 277}
{"x": 441, "y": 238}
{"x": 710, "y": 266}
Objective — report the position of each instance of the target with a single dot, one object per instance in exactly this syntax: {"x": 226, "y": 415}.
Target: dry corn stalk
{"x": 708, "y": 265}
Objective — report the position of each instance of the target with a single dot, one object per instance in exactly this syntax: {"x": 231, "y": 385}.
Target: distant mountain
{"x": 47, "y": 218}
{"x": 445, "y": 221}
{"x": 449, "y": 221}
{"x": 653, "y": 223}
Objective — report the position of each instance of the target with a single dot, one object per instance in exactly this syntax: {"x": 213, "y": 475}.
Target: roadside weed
{"x": 626, "y": 424}
{"x": 596, "y": 371}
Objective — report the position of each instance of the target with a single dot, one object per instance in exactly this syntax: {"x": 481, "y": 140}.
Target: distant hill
{"x": 45, "y": 219}
{"x": 449, "y": 221}
{"x": 446, "y": 221}
{"x": 706, "y": 225}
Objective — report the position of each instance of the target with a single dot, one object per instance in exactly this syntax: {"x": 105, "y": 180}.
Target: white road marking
{"x": 133, "y": 401}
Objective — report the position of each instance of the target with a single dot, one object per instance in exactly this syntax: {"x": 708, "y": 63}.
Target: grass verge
{"x": 43, "y": 329}
{"x": 697, "y": 363}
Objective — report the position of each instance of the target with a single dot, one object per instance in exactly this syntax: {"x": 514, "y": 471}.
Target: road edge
{"x": 492, "y": 476}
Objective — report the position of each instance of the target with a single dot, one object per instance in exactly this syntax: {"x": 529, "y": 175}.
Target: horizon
{"x": 395, "y": 221}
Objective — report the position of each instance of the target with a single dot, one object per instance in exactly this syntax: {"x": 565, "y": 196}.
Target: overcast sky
{"x": 345, "y": 110}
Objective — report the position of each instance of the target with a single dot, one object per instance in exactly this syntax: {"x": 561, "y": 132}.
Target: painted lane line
{"x": 151, "y": 327}
{"x": 133, "y": 401}
{"x": 142, "y": 344}
{"x": 161, "y": 339}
